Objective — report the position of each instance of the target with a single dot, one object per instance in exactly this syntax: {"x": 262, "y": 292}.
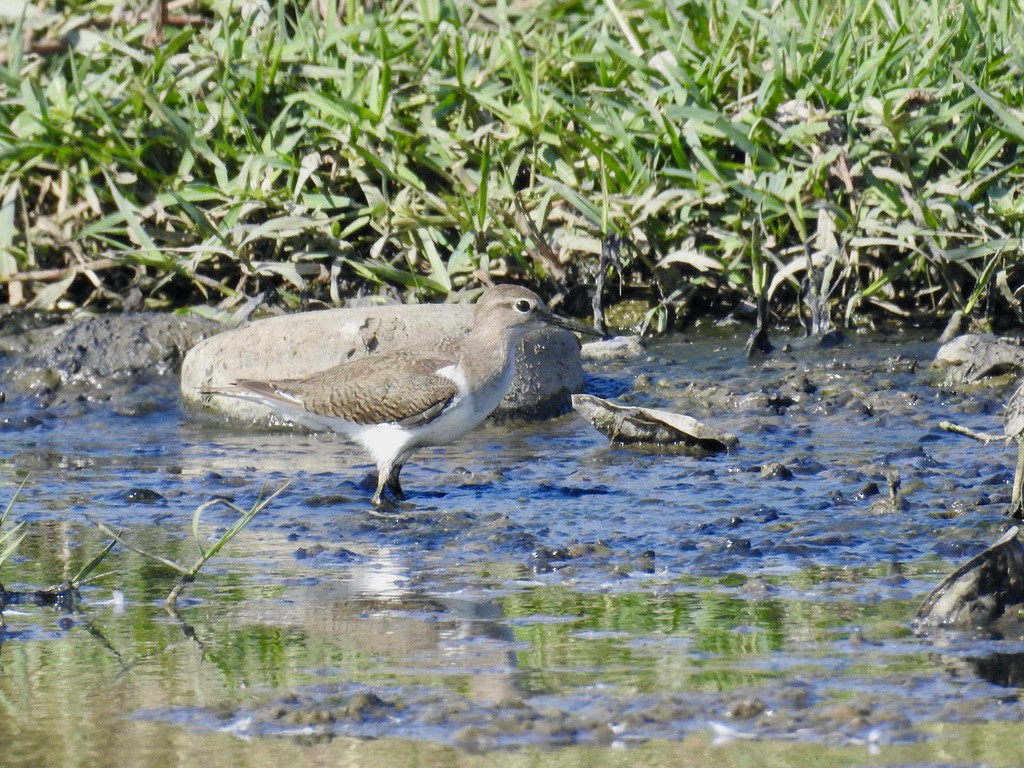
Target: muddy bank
{"x": 805, "y": 710}
{"x": 543, "y": 587}
{"x": 99, "y": 359}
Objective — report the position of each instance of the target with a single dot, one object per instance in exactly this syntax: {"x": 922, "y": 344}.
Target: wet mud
{"x": 543, "y": 588}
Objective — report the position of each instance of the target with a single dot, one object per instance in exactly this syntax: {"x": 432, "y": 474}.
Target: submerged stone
{"x": 776, "y": 471}
{"x": 141, "y": 496}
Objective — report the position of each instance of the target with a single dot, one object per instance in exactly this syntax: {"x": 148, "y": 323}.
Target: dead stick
{"x": 982, "y": 437}
{"x": 52, "y": 275}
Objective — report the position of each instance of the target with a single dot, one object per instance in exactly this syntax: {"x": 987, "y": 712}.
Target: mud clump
{"x": 99, "y": 359}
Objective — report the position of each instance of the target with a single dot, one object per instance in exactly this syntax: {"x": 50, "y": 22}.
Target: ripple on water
{"x": 543, "y": 587}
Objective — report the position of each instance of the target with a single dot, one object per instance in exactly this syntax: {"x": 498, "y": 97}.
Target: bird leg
{"x": 394, "y": 485}
{"x": 387, "y": 480}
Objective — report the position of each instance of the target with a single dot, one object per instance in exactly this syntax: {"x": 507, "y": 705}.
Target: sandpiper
{"x": 396, "y": 402}
{"x": 1013, "y": 427}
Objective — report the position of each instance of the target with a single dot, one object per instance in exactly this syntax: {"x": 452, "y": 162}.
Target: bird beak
{"x": 572, "y": 325}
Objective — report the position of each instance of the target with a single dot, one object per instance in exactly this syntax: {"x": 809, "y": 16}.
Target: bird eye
{"x": 523, "y": 306}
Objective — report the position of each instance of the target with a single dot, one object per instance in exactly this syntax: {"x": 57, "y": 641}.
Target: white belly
{"x": 468, "y": 410}
{"x": 385, "y": 442}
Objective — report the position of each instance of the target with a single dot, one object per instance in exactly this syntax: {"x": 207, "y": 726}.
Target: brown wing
{"x": 370, "y": 390}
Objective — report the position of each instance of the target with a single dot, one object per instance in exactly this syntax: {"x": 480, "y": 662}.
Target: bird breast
{"x": 474, "y": 403}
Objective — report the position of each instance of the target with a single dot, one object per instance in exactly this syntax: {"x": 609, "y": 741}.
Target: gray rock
{"x": 974, "y": 356}
{"x": 548, "y": 368}
{"x": 616, "y": 348}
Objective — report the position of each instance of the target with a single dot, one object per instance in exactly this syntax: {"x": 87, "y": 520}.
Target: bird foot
{"x": 1016, "y": 510}
{"x": 383, "y": 503}
{"x": 389, "y": 493}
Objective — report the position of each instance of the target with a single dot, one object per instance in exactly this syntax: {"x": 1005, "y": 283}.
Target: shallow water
{"x": 545, "y": 598}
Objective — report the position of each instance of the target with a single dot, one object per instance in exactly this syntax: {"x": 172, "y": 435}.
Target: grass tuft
{"x": 747, "y": 149}
{"x": 187, "y": 574}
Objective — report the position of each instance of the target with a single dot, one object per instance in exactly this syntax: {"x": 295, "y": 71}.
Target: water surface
{"x": 545, "y": 598}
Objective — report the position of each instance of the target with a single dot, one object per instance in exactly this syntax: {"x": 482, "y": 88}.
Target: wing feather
{"x": 368, "y": 391}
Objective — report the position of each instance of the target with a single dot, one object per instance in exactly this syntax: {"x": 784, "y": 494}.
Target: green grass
{"x": 414, "y": 144}
{"x": 10, "y": 538}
